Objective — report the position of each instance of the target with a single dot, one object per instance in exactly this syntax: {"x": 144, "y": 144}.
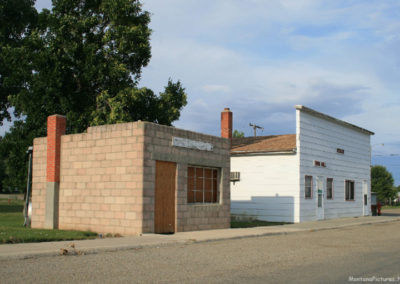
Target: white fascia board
{"x": 332, "y": 119}
{"x": 246, "y": 153}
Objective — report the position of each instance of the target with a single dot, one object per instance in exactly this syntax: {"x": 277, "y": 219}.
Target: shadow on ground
{"x": 391, "y": 212}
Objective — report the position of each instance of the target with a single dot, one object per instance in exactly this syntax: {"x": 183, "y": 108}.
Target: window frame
{"x": 353, "y": 188}
{"x": 311, "y": 187}
{"x": 327, "y": 183}
{"x": 212, "y": 181}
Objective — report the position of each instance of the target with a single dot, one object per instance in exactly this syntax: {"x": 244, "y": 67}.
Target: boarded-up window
{"x": 308, "y": 187}
{"x": 329, "y": 188}
{"x": 202, "y": 185}
{"x": 349, "y": 190}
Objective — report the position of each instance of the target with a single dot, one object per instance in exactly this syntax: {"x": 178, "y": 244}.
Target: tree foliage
{"x": 17, "y": 19}
{"x": 82, "y": 59}
{"x": 238, "y": 134}
{"x": 79, "y": 50}
{"x": 13, "y": 153}
{"x": 2, "y": 171}
{"x": 134, "y": 104}
{"x": 382, "y": 183}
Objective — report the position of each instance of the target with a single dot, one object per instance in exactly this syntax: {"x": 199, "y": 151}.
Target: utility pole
{"x": 255, "y": 128}
{"x": 27, "y": 210}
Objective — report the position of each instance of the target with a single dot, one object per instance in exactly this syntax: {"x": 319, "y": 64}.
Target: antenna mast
{"x": 255, "y": 128}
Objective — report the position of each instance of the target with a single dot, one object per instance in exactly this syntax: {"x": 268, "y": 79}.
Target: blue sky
{"x": 260, "y": 58}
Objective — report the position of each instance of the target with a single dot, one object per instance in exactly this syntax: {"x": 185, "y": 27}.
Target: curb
{"x": 69, "y": 250}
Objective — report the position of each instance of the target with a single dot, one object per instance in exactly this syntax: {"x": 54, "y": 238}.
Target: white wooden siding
{"x": 268, "y": 188}
{"x": 318, "y": 139}
{"x": 271, "y": 187}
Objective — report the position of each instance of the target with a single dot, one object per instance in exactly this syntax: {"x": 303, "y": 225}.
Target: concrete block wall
{"x": 39, "y": 182}
{"x": 189, "y": 217}
{"x": 107, "y": 179}
{"x": 193, "y": 217}
{"x": 101, "y": 179}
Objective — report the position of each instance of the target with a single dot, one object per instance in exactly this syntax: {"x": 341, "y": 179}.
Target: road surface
{"x": 329, "y": 256}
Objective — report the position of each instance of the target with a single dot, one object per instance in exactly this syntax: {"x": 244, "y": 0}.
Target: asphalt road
{"x": 330, "y": 256}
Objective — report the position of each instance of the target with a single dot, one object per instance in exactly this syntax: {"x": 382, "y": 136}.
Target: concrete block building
{"x": 130, "y": 178}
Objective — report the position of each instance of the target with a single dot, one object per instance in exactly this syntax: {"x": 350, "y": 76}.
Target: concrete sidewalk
{"x": 29, "y": 250}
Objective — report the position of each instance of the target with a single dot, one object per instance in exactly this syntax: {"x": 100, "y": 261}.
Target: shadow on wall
{"x": 266, "y": 208}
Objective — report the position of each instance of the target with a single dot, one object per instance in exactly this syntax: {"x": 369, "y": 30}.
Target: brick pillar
{"x": 56, "y": 125}
{"x": 226, "y": 124}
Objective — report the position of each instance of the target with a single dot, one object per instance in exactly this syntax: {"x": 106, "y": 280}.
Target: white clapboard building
{"x": 321, "y": 172}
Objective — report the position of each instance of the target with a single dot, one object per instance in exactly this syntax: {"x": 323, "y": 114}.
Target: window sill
{"x": 204, "y": 204}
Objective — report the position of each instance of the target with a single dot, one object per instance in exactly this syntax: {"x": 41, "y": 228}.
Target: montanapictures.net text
{"x": 374, "y": 279}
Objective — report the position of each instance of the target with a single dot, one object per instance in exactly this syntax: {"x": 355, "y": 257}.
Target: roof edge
{"x": 281, "y": 152}
{"x": 333, "y": 119}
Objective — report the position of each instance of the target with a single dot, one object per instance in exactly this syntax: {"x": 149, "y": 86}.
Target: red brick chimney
{"x": 226, "y": 123}
{"x": 56, "y": 125}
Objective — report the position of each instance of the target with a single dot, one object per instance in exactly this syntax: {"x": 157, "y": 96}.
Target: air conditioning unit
{"x": 235, "y": 176}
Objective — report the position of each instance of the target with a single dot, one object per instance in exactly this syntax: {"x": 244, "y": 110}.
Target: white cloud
{"x": 216, "y": 88}
{"x": 383, "y": 120}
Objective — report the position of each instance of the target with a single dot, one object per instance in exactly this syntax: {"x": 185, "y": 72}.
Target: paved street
{"x": 318, "y": 257}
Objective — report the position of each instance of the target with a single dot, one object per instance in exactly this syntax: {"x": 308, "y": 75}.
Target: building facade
{"x": 321, "y": 172}
{"x": 130, "y": 178}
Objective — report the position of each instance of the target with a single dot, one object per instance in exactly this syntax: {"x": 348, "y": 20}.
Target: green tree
{"x": 13, "y": 148}
{"x": 133, "y": 104}
{"x": 17, "y": 18}
{"x": 79, "y": 50}
{"x": 2, "y": 172}
{"x": 2, "y": 176}
{"x": 238, "y": 134}
{"x": 82, "y": 59}
{"x": 382, "y": 183}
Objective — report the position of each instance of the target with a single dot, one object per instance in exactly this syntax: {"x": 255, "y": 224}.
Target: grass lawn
{"x": 253, "y": 223}
{"x": 12, "y": 205}
{"x": 391, "y": 207}
{"x": 13, "y": 231}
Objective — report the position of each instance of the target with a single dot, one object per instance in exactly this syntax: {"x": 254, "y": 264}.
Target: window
{"x": 308, "y": 187}
{"x": 349, "y": 190}
{"x": 329, "y": 188}
{"x": 202, "y": 185}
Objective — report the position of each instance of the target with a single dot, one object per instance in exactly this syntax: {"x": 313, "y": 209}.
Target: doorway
{"x": 164, "y": 204}
{"x": 320, "y": 199}
{"x": 365, "y": 199}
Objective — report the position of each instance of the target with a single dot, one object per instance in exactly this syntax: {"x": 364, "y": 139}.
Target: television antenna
{"x": 255, "y": 127}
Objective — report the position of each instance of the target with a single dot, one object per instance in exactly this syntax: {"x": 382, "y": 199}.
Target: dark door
{"x": 164, "y": 207}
